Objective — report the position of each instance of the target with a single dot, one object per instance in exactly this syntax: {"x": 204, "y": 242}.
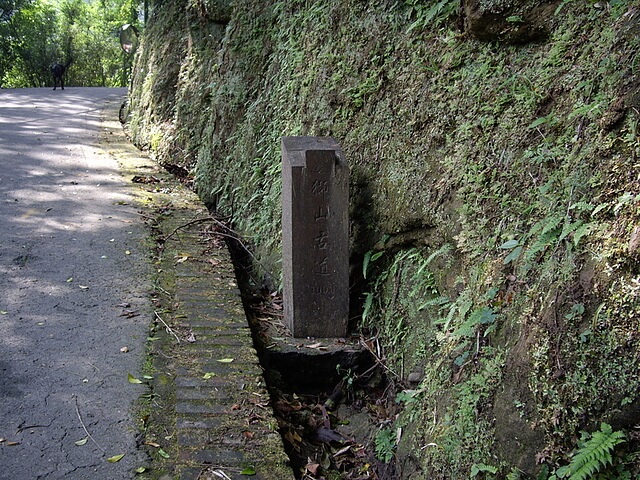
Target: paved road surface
{"x": 71, "y": 258}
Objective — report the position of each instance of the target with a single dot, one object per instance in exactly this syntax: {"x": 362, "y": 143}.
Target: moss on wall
{"x": 498, "y": 180}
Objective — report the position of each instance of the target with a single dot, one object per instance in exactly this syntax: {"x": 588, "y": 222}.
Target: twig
{"x": 162, "y": 290}
{"x": 148, "y": 217}
{"x": 369, "y": 370}
{"x": 85, "y": 428}
{"x": 22, "y": 429}
{"x": 377, "y": 358}
{"x": 192, "y": 222}
{"x": 167, "y": 327}
{"x": 232, "y": 235}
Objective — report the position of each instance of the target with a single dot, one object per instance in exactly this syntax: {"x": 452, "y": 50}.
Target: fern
{"x": 435, "y": 14}
{"x": 592, "y": 455}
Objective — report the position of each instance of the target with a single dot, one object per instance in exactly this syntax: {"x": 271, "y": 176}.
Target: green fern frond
{"x": 594, "y": 454}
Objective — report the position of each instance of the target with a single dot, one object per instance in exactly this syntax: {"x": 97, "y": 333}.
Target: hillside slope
{"x": 495, "y": 198}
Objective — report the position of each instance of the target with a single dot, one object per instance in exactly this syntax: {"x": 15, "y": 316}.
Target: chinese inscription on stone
{"x": 315, "y": 209}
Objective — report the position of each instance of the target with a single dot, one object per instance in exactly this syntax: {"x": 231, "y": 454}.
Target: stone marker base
{"x": 314, "y": 366}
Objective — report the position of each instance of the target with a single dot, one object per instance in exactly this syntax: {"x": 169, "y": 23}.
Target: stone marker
{"x": 315, "y": 229}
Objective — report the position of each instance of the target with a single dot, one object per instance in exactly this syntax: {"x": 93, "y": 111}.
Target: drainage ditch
{"x": 334, "y": 405}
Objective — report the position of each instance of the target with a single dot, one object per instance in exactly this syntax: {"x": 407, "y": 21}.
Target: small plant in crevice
{"x": 478, "y": 468}
{"x": 410, "y": 275}
{"x": 348, "y": 377}
{"x": 386, "y": 441}
{"x": 369, "y": 258}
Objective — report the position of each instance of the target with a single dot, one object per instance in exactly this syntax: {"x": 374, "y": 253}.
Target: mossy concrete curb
{"x": 208, "y": 414}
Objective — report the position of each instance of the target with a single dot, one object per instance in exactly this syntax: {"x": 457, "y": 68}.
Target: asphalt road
{"x": 72, "y": 291}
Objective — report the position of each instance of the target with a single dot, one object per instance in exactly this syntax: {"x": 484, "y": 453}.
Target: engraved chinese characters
{"x": 315, "y": 196}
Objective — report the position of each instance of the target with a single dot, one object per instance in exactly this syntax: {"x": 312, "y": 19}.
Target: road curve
{"x": 74, "y": 308}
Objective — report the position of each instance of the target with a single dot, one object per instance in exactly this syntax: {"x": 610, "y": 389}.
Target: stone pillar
{"x": 315, "y": 229}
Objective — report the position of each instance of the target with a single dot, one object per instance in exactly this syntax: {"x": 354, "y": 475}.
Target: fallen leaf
{"x": 70, "y": 279}
{"x": 124, "y": 349}
{"x": 133, "y": 379}
{"x": 152, "y": 444}
{"x": 312, "y": 468}
{"x": 208, "y": 375}
{"x": 79, "y": 443}
{"x": 140, "y": 469}
{"x": 342, "y": 450}
{"x": 3, "y": 312}
{"x": 83, "y": 287}
{"x": 315, "y": 345}
{"x": 248, "y": 471}
{"x": 182, "y": 259}
{"x": 163, "y": 454}
{"x": 226, "y": 360}
{"x": 293, "y": 438}
{"x": 115, "y": 458}
{"x": 12, "y": 444}
{"x": 145, "y": 179}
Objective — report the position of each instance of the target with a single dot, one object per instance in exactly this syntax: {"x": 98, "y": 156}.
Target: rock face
{"x": 216, "y": 11}
{"x": 508, "y": 21}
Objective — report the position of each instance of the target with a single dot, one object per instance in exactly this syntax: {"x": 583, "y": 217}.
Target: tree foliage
{"x": 34, "y": 34}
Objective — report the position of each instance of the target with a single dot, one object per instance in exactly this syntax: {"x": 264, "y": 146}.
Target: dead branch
{"x": 85, "y": 428}
{"x": 168, "y": 329}
{"x": 379, "y": 361}
{"x": 232, "y": 235}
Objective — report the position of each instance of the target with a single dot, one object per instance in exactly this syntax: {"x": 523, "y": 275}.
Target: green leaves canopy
{"x": 34, "y": 34}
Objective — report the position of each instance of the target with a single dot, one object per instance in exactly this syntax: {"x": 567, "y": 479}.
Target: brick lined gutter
{"x": 207, "y": 414}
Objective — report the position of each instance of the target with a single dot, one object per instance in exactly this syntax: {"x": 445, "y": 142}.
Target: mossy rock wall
{"x": 495, "y": 195}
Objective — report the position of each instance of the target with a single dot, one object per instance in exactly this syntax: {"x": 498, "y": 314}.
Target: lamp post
{"x": 128, "y": 38}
